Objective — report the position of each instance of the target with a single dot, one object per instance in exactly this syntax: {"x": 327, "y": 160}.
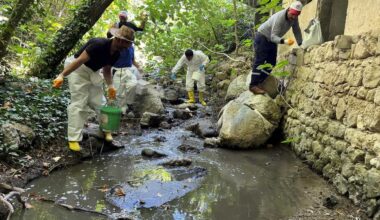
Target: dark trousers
{"x": 265, "y": 52}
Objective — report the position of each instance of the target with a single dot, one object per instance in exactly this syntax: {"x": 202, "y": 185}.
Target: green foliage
{"x": 290, "y": 140}
{"x": 247, "y": 43}
{"x": 266, "y": 7}
{"x": 36, "y": 105}
{"x": 37, "y": 29}
{"x": 278, "y": 70}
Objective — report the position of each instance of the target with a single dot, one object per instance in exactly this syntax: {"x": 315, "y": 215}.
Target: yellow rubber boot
{"x": 74, "y": 146}
{"x": 108, "y": 136}
{"x": 201, "y": 99}
{"x": 191, "y": 97}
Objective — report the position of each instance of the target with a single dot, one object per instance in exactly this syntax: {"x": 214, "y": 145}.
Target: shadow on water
{"x": 259, "y": 184}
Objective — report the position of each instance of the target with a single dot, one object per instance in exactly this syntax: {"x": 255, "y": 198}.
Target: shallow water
{"x": 258, "y": 184}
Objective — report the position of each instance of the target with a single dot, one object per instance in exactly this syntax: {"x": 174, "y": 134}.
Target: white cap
{"x": 297, "y": 5}
{"x": 123, "y": 14}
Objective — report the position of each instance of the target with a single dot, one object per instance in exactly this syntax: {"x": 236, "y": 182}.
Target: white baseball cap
{"x": 297, "y": 5}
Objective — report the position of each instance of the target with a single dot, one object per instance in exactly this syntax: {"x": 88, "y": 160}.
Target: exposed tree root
{"x": 14, "y": 192}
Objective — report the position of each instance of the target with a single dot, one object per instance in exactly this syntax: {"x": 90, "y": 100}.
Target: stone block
{"x": 356, "y": 156}
{"x": 340, "y": 109}
{"x": 355, "y": 137}
{"x": 344, "y": 55}
{"x": 336, "y": 129}
{"x": 343, "y": 42}
{"x": 377, "y": 96}
{"x": 341, "y": 184}
{"x": 322, "y": 124}
{"x": 371, "y": 94}
{"x": 376, "y": 148}
{"x": 300, "y": 57}
{"x": 317, "y": 148}
{"x": 372, "y": 183}
{"x": 375, "y": 162}
{"x": 362, "y": 93}
{"x": 359, "y": 174}
{"x": 375, "y": 122}
{"x": 340, "y": 146}
{"x": 341, "y": 76}
{"x": 347, "y": 169}
{"x": 329, "y": 171}
{"x": 355, "y": 77}
{"x": 371, "y": 76}
{"x": 361, "y": 123}
{"x": 361, "y": 50}
{"x": 351, "y": 119}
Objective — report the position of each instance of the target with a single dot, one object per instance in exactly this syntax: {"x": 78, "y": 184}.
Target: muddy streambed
{"x": 269, "y": 183}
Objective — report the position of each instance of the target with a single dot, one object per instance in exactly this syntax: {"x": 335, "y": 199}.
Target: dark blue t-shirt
{"x": 99, "y": 51}
{"x": 126, "y": 58}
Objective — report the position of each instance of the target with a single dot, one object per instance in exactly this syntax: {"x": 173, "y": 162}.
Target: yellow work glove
{"x": 289, "y": 41}
{"x": 111, "y": 93}
{"x": 57, "y": 83}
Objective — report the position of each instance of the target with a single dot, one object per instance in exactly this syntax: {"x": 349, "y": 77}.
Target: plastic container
{"x": 110, "y": 117}
{"x": 196, "y": 76}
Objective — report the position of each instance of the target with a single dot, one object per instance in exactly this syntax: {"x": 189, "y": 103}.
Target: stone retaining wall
{"x": 335, "y": 119}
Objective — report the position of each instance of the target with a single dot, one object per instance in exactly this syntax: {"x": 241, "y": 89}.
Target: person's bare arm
{"x": 136, "y": 64}
{"x": 83, "y": 58}
{"x": 107, "y": 75}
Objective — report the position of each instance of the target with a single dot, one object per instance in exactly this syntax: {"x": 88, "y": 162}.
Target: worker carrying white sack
{"x": 85, "y": 82}
{"x": 196, "y": 62}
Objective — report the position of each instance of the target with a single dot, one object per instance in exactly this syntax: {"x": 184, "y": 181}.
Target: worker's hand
{"x": 57, "y": 83}
{"x": 144, "y": 16}
{"x": 111, "y": 92}
{"x": 202, "y": 67}
{"x": 289, "y": 41}
{"x": 173, "y": 76}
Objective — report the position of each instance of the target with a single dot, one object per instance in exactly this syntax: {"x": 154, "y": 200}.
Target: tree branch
{"x": 224, "y": 54}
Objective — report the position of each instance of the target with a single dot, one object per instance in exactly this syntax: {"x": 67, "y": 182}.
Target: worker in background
{"x": 126, "y": 72}
{"x": 196, "y": 61}
{"x": 85, "y": 82}
{"x": 123, "y": 20}
{"x": 268, "y": 36}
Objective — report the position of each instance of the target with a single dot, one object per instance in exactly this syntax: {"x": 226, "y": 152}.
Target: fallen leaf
{"x": 56, "y": 159}
{"x": 28, "y": 206}
{"x": 119, "y": 192}
{"x": 45, "y": 165}
{"x": 28, "y": 90}
{"x": 7, "y": 105}
{"x": 104, "y": 188}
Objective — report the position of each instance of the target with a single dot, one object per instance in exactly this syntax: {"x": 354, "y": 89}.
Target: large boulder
{"x": 144, "y": 98}
{"x": 150, "y": 119}
{"x": 17, "y": 136}
{"x": 241, "y": 83}
{"x": 248, "y": 121}
{"x": 236, "y": 87}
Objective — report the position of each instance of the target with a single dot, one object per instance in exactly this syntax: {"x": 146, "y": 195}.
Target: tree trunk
{"x": 66, "y": 38}
{"x": 16, "y": 16}
{"x": 235, "y": 28}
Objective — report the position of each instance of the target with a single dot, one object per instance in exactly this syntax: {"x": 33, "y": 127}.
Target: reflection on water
{"x": 260, "y": 184}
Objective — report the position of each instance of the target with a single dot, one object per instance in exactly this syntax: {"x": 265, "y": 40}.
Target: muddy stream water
{"x": 269, "y": 183}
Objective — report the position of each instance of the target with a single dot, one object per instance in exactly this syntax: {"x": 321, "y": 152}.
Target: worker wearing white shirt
{"x": 196, "y": 62}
